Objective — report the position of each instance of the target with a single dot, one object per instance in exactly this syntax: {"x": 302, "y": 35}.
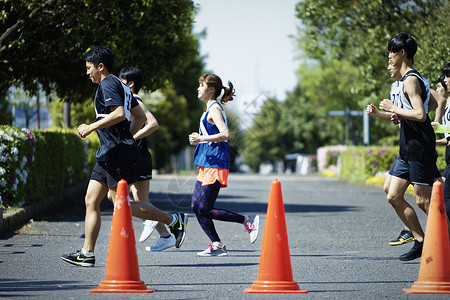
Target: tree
{"x": 83, "y": 112}
{"x": 5, "y": 117}
{"x": 186, "y": 84}
{"x": 358, "y": 32}
{"x": 44, "y": 41}
{"x": 170, "y": 109}
{"x": 263, "y": 143}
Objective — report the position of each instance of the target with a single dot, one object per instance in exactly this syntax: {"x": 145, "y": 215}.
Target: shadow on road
{"x": 175, "y": 202}
{"x": 182, "y": 202}
{"x": 9, "y": 287}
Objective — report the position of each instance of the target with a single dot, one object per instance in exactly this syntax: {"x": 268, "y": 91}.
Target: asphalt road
{"x": 338, "y": 241}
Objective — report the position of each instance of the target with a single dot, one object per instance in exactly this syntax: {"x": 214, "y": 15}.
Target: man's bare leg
{"x": 96, "y": 191}
{"x": 423, "y": 196}
{"x": 140, "y": 190}
{"x": 403, "y": 209}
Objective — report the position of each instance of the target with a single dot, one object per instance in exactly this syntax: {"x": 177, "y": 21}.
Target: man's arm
{"x": 438, "y": 103}
{"x": 138, "y": 119}
{"x": 442, "y": 142}
{"x": 151, "y": 126}
{"x": 373, "y": 111}
{"x": 116, "y": 115}
{"x": 412, "y": 92}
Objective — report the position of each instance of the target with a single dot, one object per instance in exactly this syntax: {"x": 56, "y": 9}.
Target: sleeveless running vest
{"x": 209, "y": 154}
{"x": 416, "y": 138}
{"x": 446, "y": 122}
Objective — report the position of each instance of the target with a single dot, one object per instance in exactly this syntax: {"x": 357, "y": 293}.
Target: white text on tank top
{"x": 396, "y": 89}
{"x": 446, "y": 120}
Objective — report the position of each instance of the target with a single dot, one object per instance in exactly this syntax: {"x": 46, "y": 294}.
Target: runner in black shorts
{"x": 416, "y": 164}
{"x": 416, "y": 171}
{"x": 118, "y": 152}
{"x": 133, "y": 77}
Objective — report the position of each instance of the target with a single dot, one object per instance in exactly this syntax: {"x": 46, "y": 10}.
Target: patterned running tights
{"x": 202, "y": 204}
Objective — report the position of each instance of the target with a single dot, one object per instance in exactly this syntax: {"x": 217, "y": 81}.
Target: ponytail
{"x": 212, "y": 80}
{"x": 228, "y": 93}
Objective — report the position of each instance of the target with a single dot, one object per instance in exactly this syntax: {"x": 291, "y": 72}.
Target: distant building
{"x": 20, "y": 117}
{"x": 22, "y": 105}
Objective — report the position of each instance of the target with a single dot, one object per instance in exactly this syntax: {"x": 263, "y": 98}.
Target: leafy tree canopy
{"x": 343, "y": 50}
{"x": 350, "y": 38}
{"x": 360, "y": 30}
{"x": 45, "y": 41}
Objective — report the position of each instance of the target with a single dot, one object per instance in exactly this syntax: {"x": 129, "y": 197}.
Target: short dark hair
{"x": 403, "y": 41}
{"x": 446, "y": 70}
{"x": 441, "y": 80}
{"x": 133, "y": 74}
{"x": 100, "y": 55}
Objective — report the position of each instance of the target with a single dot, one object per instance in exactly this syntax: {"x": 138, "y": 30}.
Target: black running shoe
{"x": 179, "y": 228}
{"x": 404, "y": 237}
{"x": 79, "y": 259}
{"x": 415, "y": 252}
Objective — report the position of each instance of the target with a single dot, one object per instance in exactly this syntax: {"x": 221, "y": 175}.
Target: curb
{"x": 12, "y": 220}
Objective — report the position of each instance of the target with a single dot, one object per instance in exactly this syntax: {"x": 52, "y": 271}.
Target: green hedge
{"x": 40, "y": 163}
{"x": 360, "y": 163}
{"x": 92, "y": 143}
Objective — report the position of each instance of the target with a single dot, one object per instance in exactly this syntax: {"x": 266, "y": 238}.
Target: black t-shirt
{"x": 116, "y": 142}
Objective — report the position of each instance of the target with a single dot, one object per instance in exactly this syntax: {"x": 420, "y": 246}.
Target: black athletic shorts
{"x": 144, "y": 166}
{"x": 445, "y": 173}
{"x": 423, "y": 171}
{"x": 112, "y": 171}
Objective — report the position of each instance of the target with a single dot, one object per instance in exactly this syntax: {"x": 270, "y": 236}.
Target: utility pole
{"x": 347, "y": 113}
{"x": 66, "y": 113}
{"x": 38, "y": 119}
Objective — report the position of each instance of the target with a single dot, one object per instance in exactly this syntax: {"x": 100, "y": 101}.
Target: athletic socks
{"x": 86, "y": 253}
{"x": 174, "y": 219}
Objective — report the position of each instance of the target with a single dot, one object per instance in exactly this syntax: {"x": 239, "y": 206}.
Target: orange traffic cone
{"x": 275, "y": 271}
{"x": 122, "y": 268}
{"x": 434, "y": 271}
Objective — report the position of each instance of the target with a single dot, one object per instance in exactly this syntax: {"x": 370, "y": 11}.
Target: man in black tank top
{"x": 416, "y": 164}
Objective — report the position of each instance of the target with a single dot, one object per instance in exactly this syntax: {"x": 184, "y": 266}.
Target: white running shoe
{"x": 214, "y": 250}
{"x": 252, "y": 227}
{"x": 162, "y": 244}
{"x": 147, "y": 228}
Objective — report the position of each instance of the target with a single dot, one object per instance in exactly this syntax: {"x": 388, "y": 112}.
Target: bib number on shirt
{"x": 127, "y": 101}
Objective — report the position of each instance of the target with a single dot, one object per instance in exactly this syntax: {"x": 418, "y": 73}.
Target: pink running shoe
{"x": 252, "y": 227}
{"x": 214, "y": 250}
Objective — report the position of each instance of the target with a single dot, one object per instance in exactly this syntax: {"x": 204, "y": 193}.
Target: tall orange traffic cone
{"x": 122, "y": 268}
{"x": 434, "y": 271}
{"x": 275, "y": 271}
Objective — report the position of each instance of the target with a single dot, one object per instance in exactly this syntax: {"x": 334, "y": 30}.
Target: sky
{"x": 251, "y": 44}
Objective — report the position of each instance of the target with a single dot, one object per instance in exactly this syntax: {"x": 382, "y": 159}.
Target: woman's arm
{"x": 215, "y": 117}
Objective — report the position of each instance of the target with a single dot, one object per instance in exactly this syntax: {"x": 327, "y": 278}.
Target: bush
{"x": 16, "y": 157}
{"x": 361, "y": 163}
{"x": 328, "y": 155}
{"x": 92, "y": 143}
{"x": 39, "y": 163}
